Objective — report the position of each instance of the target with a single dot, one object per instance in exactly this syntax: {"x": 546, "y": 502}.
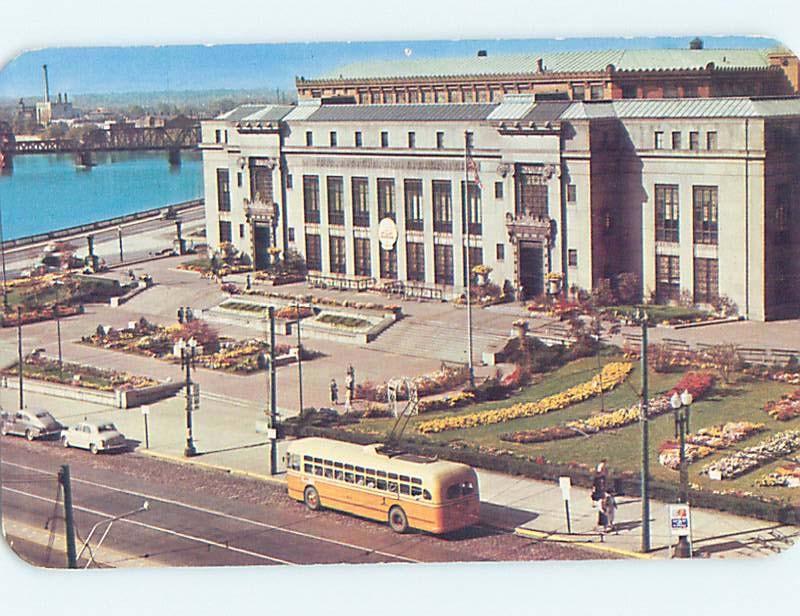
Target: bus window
{"x": 404, "y": 478}
{"x": 339, "y": 475}
{"x": 338, "y": 465}
{"x": 370, "y": 482}
{"x": 426, "y": 495}
{"x": 392, "y": 486}
{"x": 294, "y": 462}
{"x": 467, "y": 488}
{"x": 328, "y": 462}
{"x": 381, "y": 484}
{"x": 359, "y": 469}
{"x": 416, "y": 480}
{"x": 453, "y": 491}
{"x": 317, "y": 470}
{"x": 308, "y": 468}
{"x": 328, "y": 473}
{"x": 317, "y": 460}
{"x": 405, "y": 488}
{"x": 360, "y": 480}
{"x": 416, "y": 491}
{"x": 392, "y": 475}
{"x": 381, "y": 473}
{"x": 348, "y": 477}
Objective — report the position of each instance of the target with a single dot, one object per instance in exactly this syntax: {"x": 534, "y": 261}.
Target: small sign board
{"x": 272, "y": 433}
{"x": 387, "y": 233}
{"x": 715, "y": 474}
{"x": 565, "y": 484}
{"x": 145, "y": 409}
{"x": 680, "y": 520}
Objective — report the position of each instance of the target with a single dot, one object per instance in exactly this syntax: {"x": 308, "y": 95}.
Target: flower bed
{"x": 445, "y": 403}
{"x": 698, "y": 384}
{"x": 45, "y": 369}
{"x": 294, "y": 312}
{"x": 706, "y": 441}
{"x": 326, "y": 301}
{"x": 39, "y": 314}
{"x": 785, "y": 476}
{"x": 343, "y": 321}
{"x": 788, "y": 407}
{"x": 741, "y": 462}
{"x": 442, "y": 380}
{"x": 609, "y": 377}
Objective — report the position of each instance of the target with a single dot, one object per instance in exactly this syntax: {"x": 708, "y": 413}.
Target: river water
{"x": 45, "y": 192}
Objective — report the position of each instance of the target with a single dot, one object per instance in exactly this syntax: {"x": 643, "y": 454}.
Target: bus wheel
{"x": 398, "y": 520}
{"x": 311, "y": 498}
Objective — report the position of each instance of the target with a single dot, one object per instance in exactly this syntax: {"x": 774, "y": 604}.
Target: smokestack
{"x": 59, "y": 98}
{"x": 65, "y": 98}
{"x": 46, "y": 84}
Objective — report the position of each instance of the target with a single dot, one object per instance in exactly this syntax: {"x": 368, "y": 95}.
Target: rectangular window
{"x": 241, "y": 230}
{"x": 218, "y": 136}
{"x": 439, "y": 140}
{"x": 290, "y": 233}
{"x": 532, "y": 195}
{"x": 498, "y": 190}
{"x": 239, "y": 179}
{"x": 658, "y": 140}
{"x": 334, "y": 139}
{"x": 363, "y": 264}
{"x": 384, "y": 139}
{"x": 443, "y": 263}
{"x": 389, "y": 264}
{"x": 415, "y": 261}
{"x": 668, "y": 278}
{"x": 711, "y": 140}
{"x": 629, "y": 90}
{"x": 225, "y": 233}
{"x": 412, "y": 139}
{"x": 501, "y": 252}
{"x": 358, "y": 139}
{"x": 442, "y": 206}
{"x": 705, "y": 215}
{"x": 289, "y": 181}
{"x": 223, "y": 190}
{"x": 783, "y": 200}
{"x": 572, "y": 257}
{"x": 470, "y": 140}
{"x": 572, "y": 193}
{"x": 311, "y": 198}
{"x": 694, "y": 140}
{"x": 676, "y": 140}
{"x": 597, "y": 93}
{"x": 309, "y": 138}
{"x": 667, "y": 213}
{"x": 260, "y": 182}
{"x": 338, "y": 261}
{"x": 386, "y": 208}
{"x": 474, "y": 215}
{"x": 313, "y": 252}
{"x": 413, "y": 201}
{"x": 475, "y": 254}
{"x": 335, "y": 200}
{"x": 670, "y": 91}
{"x": 706, "y": 280}
{"x": 578, "y": 93}
{"x": 360, "y": 202}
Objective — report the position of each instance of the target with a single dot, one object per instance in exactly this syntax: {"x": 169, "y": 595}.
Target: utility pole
{"x": 3, "y": 257}
{"x": 119, "y": 234}
{"x": 273, "y": 409}
{"x": 69, "y": 520}
{"x": 645, "y": 444}
{"x": 466, "y": 260}
{"x": 58, "y": 284}
{"x": 19, "y": 353}
{"x": 299, "y": 358}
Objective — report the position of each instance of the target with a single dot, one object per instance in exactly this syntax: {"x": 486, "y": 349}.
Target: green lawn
{"x": 743, "y": 400}
{"x": 658, "y": 313}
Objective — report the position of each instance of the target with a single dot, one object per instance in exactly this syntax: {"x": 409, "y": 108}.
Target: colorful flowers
{"x": 609, "y": 377}
{"x": 706, "y": 441}
{"x": 785, "y": 476}
{"x": 741, "y": 462}
{"x": 788, "y": 407}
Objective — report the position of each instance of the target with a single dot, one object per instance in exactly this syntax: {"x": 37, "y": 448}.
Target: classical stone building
{"x": 694, "y": 196}
{"x": 574, "y": 75}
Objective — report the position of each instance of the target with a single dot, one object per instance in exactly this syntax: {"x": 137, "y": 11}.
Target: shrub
{"x": 628, "y": 288}
{"x": 603, "y": 294}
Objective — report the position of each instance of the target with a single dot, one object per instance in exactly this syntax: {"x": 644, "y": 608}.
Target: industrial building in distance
{"x": 692, "y": 195}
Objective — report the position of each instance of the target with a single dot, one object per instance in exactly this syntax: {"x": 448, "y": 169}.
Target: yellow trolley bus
{"x": 405, "y": 490}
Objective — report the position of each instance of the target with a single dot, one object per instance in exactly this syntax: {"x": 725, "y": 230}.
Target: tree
{"x": 726, "y": 358}
{"x": 628, "y": 288}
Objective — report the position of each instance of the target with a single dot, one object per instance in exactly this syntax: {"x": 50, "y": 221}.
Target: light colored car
{"x": 31, "y": 424}
{"x": 94, "y": 437}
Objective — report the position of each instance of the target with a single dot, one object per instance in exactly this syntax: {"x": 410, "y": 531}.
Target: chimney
{"x": 482, "y": 53}
{"x": 65, "y": 98}
{"x": 696, "y": 43}
{"x": 59, "y": 98}
{"x": 539, "y": 65}
{"x": 46, "y": 84}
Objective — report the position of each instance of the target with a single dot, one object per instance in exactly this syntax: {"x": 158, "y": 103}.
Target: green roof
{"x": 554, "y": 62}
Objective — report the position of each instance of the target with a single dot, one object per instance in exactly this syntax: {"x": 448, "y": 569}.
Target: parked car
{"x": 31, "y": 424}
{"x": 94, "y": 437}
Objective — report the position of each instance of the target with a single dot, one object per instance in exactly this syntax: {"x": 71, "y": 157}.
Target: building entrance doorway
{"x": 531, "y": 269}
{"x": 261, "y": 244}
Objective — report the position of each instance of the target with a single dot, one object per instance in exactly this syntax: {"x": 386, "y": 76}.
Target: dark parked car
{"x": 31, "y": 424}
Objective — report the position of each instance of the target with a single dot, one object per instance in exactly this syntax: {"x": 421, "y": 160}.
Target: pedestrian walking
{"x": 334, "y": 392}
{"x": 348, "y": 400}
{"x": 180, "y": 316}
{"x": 599, "y": 480}
{"x": 609, "y": 508}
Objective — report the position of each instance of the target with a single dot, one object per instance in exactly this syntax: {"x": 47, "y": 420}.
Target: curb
{"x": 579, "y": 539}
{"x": 207, "y": 465}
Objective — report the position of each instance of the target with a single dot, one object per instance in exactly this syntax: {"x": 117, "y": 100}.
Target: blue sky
{"x": 80, "y": 70}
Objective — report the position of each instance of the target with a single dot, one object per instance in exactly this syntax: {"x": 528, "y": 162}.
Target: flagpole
{"x": 467, "y": 263}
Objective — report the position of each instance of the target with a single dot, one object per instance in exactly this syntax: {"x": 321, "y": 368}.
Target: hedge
{"x": 627, "y": 484}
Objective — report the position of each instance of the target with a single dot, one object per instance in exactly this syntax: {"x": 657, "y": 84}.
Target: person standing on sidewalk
{"x": 348, "y": 399}
{"x": 350, "y": 381}
{"x": 609, "y": 508}
{"x": 599, "y": 481}
{"x": 334, "y": 393}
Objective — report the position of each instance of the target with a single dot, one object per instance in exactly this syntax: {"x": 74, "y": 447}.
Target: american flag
{"x": 472, "y": 171}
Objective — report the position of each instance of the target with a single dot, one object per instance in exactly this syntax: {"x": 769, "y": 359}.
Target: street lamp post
{"x": 187, "y": 359}
{"x": 644, "y": 419}
{"x": 58, "y": 284}
{"x": 19, "y": 353}
{"x": 299, "y": 358}
{"x": 119, "y": 235}
{"x": 273, "y": 407}
{"x": 681, "y": 407}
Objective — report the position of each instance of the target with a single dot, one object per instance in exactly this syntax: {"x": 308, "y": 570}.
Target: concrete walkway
{"x": 226, "y": 438}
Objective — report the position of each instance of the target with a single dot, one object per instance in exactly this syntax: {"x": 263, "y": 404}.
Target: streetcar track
{"x": 228, "y": 516}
